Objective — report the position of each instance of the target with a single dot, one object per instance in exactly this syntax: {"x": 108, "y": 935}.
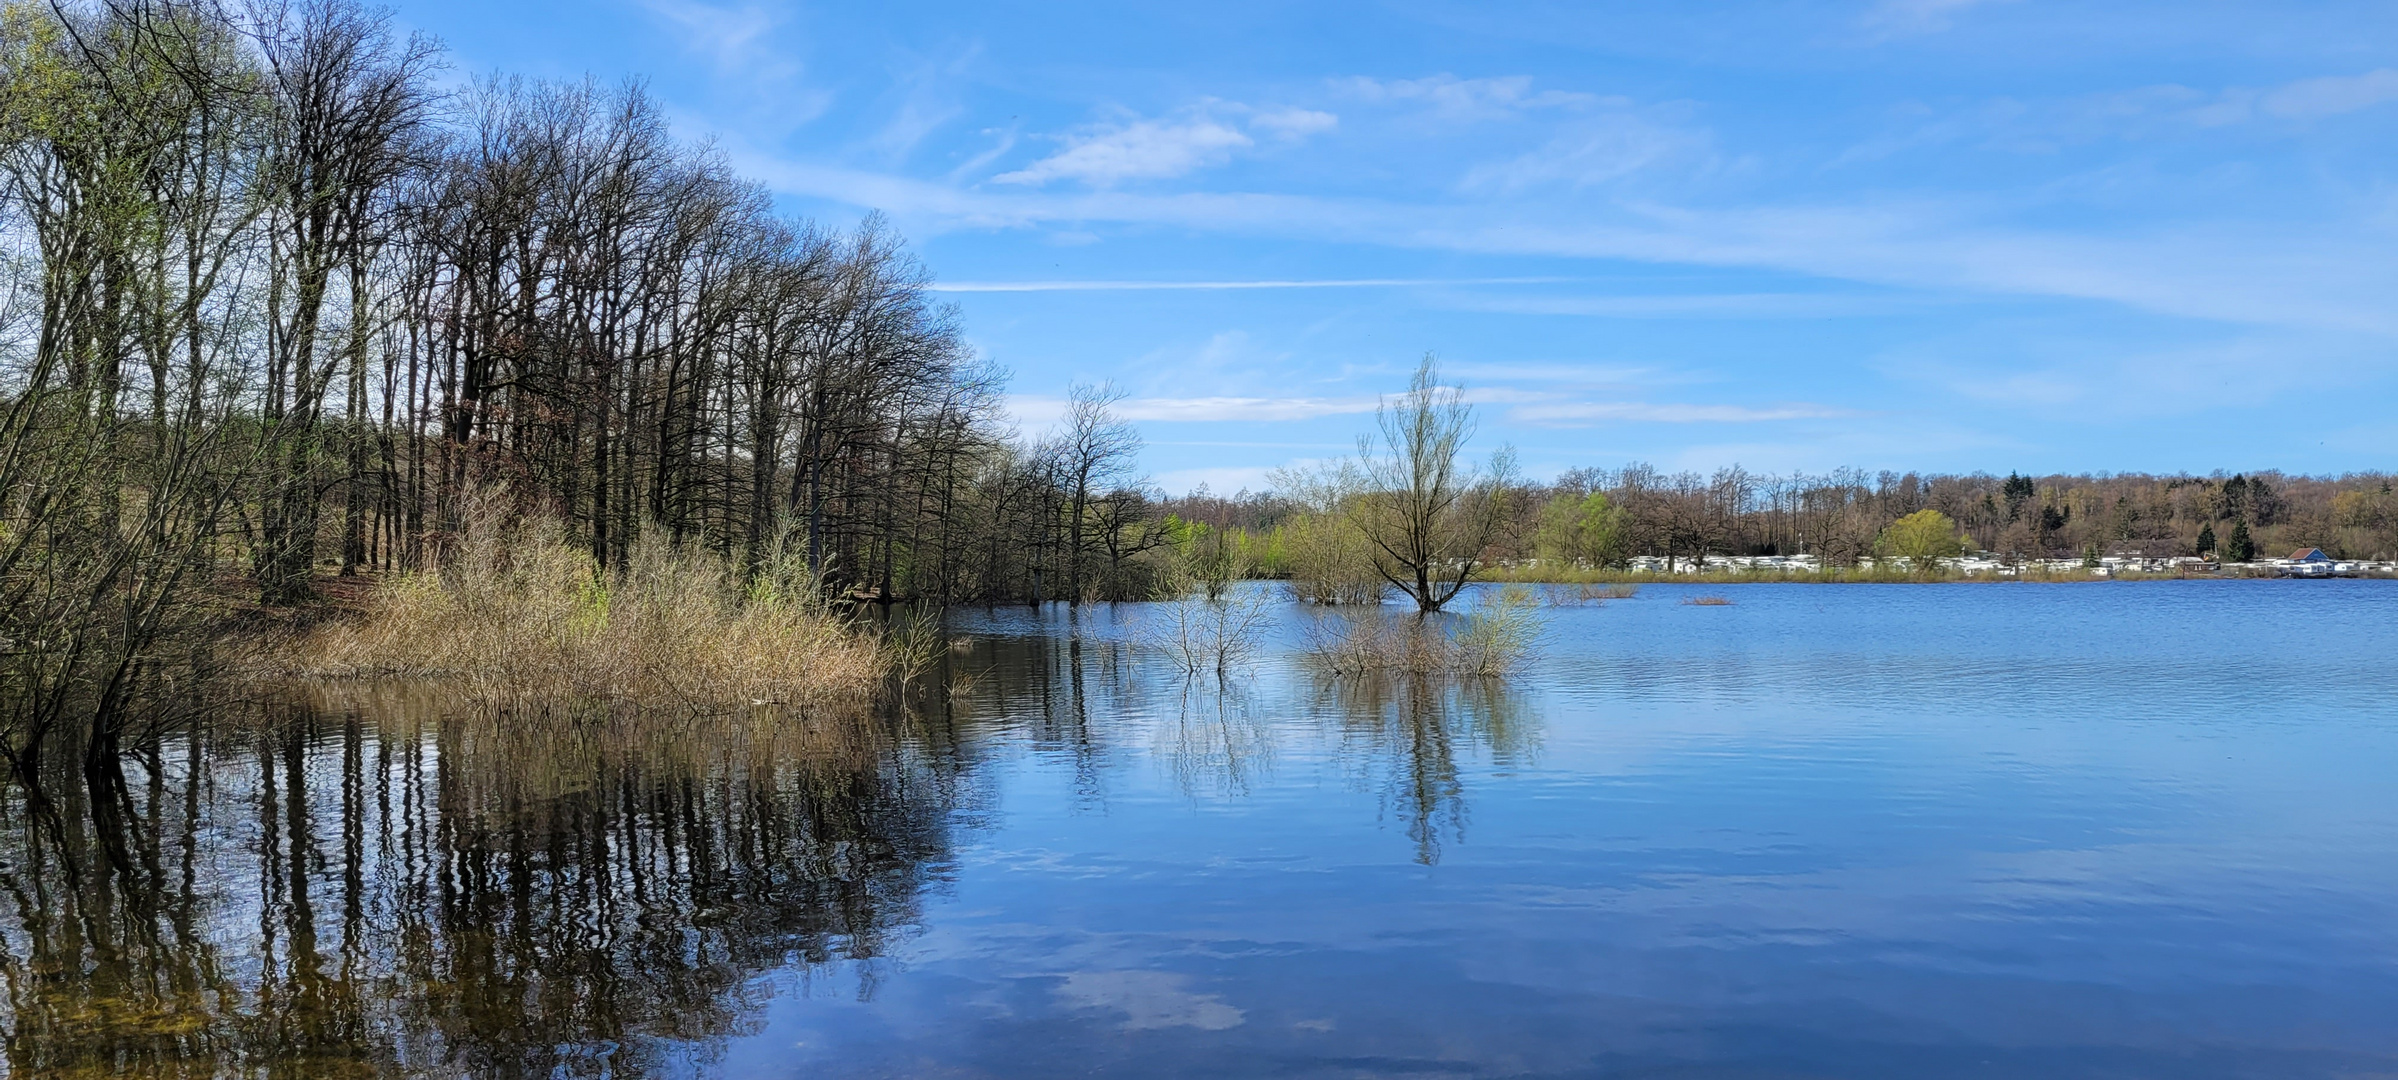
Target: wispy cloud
{"x": 1270, "y": 283}
{"x": 1161, "y": 148}
{"x": 1451, "y": 98}
{"x": 2331, "y": 95}
{"x": 1583, "y": 413}
{"x": 1293, "y": 124}
{"x": 1040, "y": 411}
{"x": 1699, "y": 306}
{"x": 2163, "y": 111}
{"x": 1898, "y": 18}
{"x": 1618, "y": 138}
{"x": 2224, "y": 272}
{"x": 1140, "y": 150}
{"x": 1221, "y": 479}
{"x": 738, "y": 42}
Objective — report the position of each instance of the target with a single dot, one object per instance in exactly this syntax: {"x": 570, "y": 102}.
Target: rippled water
{"x": 1976, "y": 830}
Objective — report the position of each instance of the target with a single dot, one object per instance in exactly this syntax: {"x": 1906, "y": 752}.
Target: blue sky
{"x": 1906, "y": 234}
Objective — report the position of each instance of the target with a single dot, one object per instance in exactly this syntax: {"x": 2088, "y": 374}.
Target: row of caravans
{"x": 2304, "y": 563}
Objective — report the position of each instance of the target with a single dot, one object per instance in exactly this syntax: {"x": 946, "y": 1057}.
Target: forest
{"x": 1604, "y": 517}
{"x": 282, "y": 310}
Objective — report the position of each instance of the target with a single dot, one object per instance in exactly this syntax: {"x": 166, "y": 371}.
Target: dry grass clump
{"x": 1593, "y": 594}
{"x": 517, "y": 616}
{"x": 1491, "y": 640}
{"x": 1707, "y": 601}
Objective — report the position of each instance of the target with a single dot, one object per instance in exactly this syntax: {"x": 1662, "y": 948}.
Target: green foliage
{"x": 2206, "y": 539}
{"x": 1586, "y": 531}
{"x": 1211, "y": 559}
{"x": 1922, "y": 538}
{"x": 1330, "y": 560}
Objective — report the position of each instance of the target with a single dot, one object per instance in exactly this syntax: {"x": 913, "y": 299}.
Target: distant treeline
{"x": 1607, "y": 516}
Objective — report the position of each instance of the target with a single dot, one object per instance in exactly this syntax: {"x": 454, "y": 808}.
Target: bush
{"x": 518, "y": 617}
{"x": 1490, "y": 640}
{"x": 1330, "y": 562}
{"x": 1202, "y": 634}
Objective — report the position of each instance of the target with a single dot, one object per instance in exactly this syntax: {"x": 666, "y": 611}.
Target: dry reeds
{"x": 1491, "y": 640}
{"x": 518, "y": 617}
{"x": 1592, "y": 594}
{"x": 1707, "y": 601}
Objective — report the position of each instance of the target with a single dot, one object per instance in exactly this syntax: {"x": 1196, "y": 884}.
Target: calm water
{"x": 1850, "y": 831}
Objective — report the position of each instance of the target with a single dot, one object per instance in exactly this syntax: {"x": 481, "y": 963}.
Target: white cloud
{"x": 1224, "y": 480}
{"x": 1614, "y": 143}
{"x": 1893, "y": 18}
{"x": 1452, "y": 98}
{"x": 1700, "y": 306}
{"x": 1148, "y": 1000}
{"x": 2277, "y": 274}
{"x": 738, "y": 42}
{"x": 1204, "y": 286}
{"x": 1160, "y": 149}
{"x": 2145, "y": 112}
{"x": 2332, "y": 94}
{"x": 1294, "y": 124}
{"x": 1040, "y": 411}
{"x": 1140, "y": 150}
{"x": 733, "y": 34}
{"x": 1577, "y": 413}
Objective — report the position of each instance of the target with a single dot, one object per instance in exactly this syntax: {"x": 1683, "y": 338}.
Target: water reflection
{"x": 1219, "y": 737}
{"x": 369, "y": 883}
{"x": 369, "y": 890}
{"x": 1044, "y": 677}
{"x": 1410, "y": 728}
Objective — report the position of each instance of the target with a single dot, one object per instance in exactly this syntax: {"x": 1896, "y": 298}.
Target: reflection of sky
{"x": 1943, "y": 234}
{"x": 1828, "y": 830}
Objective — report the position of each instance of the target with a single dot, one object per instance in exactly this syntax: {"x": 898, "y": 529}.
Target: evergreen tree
{"x": 2018, "y": 489}
{"x": 2206, "y": 539}
{"x": 2242, "y": 549}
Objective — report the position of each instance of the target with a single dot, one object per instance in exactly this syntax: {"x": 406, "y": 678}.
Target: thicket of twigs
{"x": 1492, "y": 638}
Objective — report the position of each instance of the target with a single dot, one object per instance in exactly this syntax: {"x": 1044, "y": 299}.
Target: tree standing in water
{"x": 1428, "y": 518}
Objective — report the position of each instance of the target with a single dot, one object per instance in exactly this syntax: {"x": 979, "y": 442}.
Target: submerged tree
{"x": 1428, "y": 517}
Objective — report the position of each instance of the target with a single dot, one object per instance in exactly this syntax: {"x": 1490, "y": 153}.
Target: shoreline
{"x": 1506, "y": 576}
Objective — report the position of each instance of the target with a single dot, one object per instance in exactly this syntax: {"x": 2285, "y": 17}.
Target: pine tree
{"x": 2243, "y": 549}
{"x": 2206, "y": 539}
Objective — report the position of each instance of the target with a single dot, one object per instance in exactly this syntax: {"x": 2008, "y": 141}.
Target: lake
{"x": 1989, "y": 830}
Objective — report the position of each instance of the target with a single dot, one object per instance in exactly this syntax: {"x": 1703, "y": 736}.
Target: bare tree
{"x": 1428, "y": 518}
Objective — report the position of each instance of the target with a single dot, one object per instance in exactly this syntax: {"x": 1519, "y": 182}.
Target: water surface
{"x": 1973, "y": 830}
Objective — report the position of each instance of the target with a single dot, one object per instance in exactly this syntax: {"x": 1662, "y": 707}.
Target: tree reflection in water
{"x": 1409, "y": 728}
{"x": 369, "y": 889}
{"x": 1219, "y": 735}
{"x": 371, "y": 884}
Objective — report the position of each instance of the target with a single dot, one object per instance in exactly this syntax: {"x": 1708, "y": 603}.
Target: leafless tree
{"x": 1428, "y": 517}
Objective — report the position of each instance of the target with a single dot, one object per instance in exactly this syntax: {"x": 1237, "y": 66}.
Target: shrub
{"x": 516, "y": 616}
{"x": 1202, "y": 634}
{"x": 1330, "y": 561}
{"x": 1490, "y": 640}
